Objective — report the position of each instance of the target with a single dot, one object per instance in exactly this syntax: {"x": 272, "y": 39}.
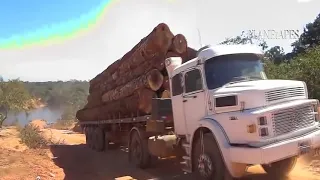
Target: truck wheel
{"x": 90, "y": 136}
{"x": 106, "y": 141}
{"x": 99, "y": 139}
{"x": 138, "y": 151}
{"x": 281, "y": 168}
{"x": 209, "y": 164}
{"x": 93, "y": 138}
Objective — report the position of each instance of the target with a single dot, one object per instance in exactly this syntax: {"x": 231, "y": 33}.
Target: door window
{"x": 177, "y": 87}
{"x": 193, "y": 81}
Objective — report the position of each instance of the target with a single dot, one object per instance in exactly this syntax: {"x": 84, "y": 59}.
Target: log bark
{"x": 140, "y": 103}
{"x": 152, "y": 80}
{"x": 158, "y": 41}
{"x": 106, "y": 73}
{"x": 166, "y": 83}
{"x": 94, "y": 100}
{"x": 172, "y": 54}
{"x": 190, "y": 54}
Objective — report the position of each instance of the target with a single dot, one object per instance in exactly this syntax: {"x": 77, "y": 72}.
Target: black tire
{"x": 210, "y": 158}
{"x": 281, "y": 168}
{"x": 93, "y": 138}
{"x": 106, "y": 142}
{"x": 138, "y": 151}
{"x": 90, "y": 136}
{"x": 99, "y": 139}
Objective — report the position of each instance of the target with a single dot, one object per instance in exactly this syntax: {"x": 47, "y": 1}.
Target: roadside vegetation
{"x": 303, "y": 63}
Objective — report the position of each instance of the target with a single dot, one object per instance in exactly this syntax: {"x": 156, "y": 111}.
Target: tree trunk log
{"x": 152, "y": 80}
{"x": 158, "y": 41}
{"x": 179, "y": 44}
{"x": 166, "y": 83}
{"x": 140, "y": 103}
{"x": 106, "y": 73}
{"x": 190, "y": 54}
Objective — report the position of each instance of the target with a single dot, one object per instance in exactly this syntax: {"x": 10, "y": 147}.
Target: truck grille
{"x": 292, "y": 119}
{"x": 284, "y": 93}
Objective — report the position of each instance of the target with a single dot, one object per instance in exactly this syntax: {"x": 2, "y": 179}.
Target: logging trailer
{"x": 223, "y": 116}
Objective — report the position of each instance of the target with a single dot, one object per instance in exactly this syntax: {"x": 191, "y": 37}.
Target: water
{"x": 45, "y": 113}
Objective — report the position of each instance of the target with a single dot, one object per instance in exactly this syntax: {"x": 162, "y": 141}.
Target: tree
{"x": 275, "y": 54}
{"x": 304, "y": 67}
{"x": 309, "y": 38}
{"x": 13, "y": 97}
{"x": 246, "y": 38}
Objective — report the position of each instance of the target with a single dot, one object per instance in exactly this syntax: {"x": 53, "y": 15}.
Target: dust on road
{"x": 74, "y": 161}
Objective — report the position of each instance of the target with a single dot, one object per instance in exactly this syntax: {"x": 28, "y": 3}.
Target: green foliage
{"x": 309, "y": 38}
{"x": 31, "y": 136}
{"x": 69, "y": 95}
{"x": 304, "y": 67}
{"x": 303, "y": 63}
{"x": 275, "y": 54}
{"x": 246, "y": 38}
{"x": 13, "y": 97}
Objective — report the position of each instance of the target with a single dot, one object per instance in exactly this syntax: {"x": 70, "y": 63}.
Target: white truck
{"x": 223, "y": 116}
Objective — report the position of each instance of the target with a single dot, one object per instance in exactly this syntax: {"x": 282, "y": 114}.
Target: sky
{"x": 63, "y": 40}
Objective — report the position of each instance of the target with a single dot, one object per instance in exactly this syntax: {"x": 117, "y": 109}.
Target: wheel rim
{"x": 136, "y": 151}
{"x": 205, "y": 166}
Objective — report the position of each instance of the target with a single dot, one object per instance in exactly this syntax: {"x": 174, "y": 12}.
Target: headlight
{"x": 262, "y": 120}
{"x": 264, "y": 131}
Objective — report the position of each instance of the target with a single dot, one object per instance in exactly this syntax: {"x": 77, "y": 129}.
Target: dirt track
{"x": 77, "y": 162}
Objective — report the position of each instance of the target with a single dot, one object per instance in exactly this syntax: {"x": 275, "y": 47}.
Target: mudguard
{"x": 235, "y": 169}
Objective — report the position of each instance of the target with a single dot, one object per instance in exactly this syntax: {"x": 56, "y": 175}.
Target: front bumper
{"x": 274, "y": 152}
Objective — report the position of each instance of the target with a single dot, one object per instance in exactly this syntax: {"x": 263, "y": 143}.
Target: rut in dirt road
{"x": 82, "y": 163}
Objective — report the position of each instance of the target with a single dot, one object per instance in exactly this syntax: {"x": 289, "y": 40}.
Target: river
{"x": 45, "y": 113}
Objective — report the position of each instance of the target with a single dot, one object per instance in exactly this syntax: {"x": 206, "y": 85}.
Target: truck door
{"x": 177, "y": 104}
{"x": 193, "y": 98}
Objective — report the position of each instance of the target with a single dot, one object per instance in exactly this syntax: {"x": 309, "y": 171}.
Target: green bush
{"x": 304, "y": 67}
{"x": 31, "y": 136}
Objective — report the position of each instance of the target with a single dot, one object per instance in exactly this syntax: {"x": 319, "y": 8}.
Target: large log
{"x": 158, "y": 41}
{"x": 94, "y": 100}
{"x": 106, "y": 73}
{"x": 152, "y": 80}
{"x": 140, "y": 103}
{"x": 179, "y": 44}
{"x": 190, "y": 54}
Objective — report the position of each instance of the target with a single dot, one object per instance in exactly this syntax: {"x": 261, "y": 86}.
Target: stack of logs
{"x": 126, "y": 87}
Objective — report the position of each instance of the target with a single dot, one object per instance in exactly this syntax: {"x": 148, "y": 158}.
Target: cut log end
{"x": 165, "y": 94}
{"x": 155, "y": 79}
{"x": 145, "y": 100}
{"x": 179, "y": 44}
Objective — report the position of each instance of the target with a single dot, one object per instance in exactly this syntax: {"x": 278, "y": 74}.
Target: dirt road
{"x": 74, "y": 161}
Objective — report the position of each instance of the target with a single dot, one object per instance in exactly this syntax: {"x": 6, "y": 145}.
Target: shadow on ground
{"x": 82, "y": 163}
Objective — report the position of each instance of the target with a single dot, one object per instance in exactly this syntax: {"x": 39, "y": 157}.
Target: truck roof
{"x": 208, "y": 52}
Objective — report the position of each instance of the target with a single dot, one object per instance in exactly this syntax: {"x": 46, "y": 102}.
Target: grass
{"x": 31, "y": 136}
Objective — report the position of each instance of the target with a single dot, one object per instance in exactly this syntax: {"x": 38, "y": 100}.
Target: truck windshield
{"x": 232, "y": 68}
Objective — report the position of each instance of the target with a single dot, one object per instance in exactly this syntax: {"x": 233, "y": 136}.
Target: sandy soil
{"x": 75, "y": 161}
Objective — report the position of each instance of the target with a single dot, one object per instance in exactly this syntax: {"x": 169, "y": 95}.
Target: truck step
{"x": 186, "y": 166}
{"x": 187, "y": 148}
{"x": 187, "y": 158}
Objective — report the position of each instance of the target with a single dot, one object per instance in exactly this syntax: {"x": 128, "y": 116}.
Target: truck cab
{"x": 224, "y": 105}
